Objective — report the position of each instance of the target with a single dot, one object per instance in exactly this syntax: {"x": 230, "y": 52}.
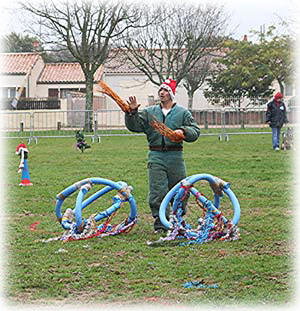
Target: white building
{"x": 55, "y": 80}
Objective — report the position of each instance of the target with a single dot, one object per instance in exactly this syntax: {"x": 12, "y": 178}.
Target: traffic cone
{"x": 25, "y": 175}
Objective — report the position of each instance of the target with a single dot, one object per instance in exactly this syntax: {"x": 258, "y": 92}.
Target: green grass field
{"x": 257, "y": 269}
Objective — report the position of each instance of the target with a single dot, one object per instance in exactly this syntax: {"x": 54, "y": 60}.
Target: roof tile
{"x": 17, "y": 63}
{"x": 64, "y": 73}
{"x": 21, "y": 63}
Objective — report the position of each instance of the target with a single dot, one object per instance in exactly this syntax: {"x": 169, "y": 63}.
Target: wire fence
{"x": 222, "y": 122}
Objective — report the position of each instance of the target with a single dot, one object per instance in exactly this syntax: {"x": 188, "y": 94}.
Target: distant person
{"x": 166, "y": 165}
{"x": 276, "y": 117}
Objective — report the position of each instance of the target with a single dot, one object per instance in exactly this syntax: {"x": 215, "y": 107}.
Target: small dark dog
{"x": 288, "y": 139}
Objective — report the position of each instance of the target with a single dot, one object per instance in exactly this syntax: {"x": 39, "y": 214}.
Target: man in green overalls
{"x": 166, "y": 165}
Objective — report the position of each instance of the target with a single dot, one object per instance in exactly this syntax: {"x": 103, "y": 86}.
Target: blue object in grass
{"x": 83, "y": 186}
{"x": 199, "y": 284}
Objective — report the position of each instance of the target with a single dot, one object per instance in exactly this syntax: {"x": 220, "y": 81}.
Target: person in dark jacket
{"x": 276, "y": 117}
{"x": 166, "y": 165}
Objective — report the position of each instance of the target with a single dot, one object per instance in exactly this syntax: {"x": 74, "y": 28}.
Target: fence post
{"x": 223, "y": 121}
{"x": 262, "y": 117}
{"x": 31, "y": 128}
{"x": 242, "y": 118}
{"x": 96, "y": 128}
{"x": 95, "y": 123}
{"x": 205, "y": 120}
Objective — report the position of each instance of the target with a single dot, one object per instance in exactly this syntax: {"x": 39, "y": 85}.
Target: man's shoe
{"x": 158, "y": 226}
{"x": 160, "y": 231}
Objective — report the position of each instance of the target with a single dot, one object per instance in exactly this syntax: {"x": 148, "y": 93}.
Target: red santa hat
{"x": 20, "y": 148}
{"x": 170, "y": 86}
{"x": 278, "y": 95}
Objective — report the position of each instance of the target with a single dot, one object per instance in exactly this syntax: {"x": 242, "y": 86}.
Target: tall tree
{"x": 196, "y": 77}
{"x": 277, "y": 55}
{"x": 87, "y": 29}
{"x": 238, "y": 73}
{"x": 17, "y": 43}
{"x": 249, "y": 69}
{"x": 179, "y": 40}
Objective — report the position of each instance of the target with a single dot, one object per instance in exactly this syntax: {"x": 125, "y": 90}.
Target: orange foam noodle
{"x": 166, "y": 131}
{"x": 108, "y": 91}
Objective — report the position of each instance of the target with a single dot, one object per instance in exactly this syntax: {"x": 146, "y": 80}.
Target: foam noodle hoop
{"x": 87, "y": 228}
{"x": 214, "y": 225}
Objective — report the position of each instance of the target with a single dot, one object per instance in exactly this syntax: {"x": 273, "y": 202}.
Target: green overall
{"x": 165, "y": 158}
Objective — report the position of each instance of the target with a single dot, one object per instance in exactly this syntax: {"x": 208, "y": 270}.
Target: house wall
{"x": 42, "y": 89}
{"x": 32, "y": 87}
{"x": 12, "y": 80}
{"x": 126, "y": 85}
{"x": 29, "y": 82}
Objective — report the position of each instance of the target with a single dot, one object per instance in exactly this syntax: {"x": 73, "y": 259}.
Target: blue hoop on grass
{"x": 83, "y": 186}
{"x": 214, "y": 225}
{"x": 179, "y": 189}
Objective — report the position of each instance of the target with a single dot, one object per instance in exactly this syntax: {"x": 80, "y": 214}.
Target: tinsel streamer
{"x": 108, "y": 91}
{"x": 166, "y": 131}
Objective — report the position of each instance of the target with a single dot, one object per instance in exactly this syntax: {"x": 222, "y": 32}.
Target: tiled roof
{"x": 21, "y": 63}
{"x": 64, "y": 73}
{"x": 119, "y": 65}
{"x": 17, "y": 63}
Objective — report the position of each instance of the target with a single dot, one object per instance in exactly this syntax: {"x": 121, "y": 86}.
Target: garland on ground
{"x": 81, "y": 143}
{"x": 92, "y": 230}
{"x": 212, "y": 226}
{"x": 78, "y": 228}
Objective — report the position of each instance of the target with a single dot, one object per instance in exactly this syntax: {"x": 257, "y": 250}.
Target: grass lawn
{"x": 257, "y": 269}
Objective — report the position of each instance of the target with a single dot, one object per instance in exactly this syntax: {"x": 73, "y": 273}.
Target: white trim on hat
{"x": 168, "y": 88}
{"x": 22, "y": 149}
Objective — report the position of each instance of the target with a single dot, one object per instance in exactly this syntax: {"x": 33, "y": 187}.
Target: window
{"x": 11, "y": 92}
{"x": 65, "y": 92}
{"x": 288, "y": 90}
{"x": 7, "y": 92}
{"x": 53, "y": 93}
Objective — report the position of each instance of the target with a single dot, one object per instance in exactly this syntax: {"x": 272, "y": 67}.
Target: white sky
{"x": 250, "y": 15}
{"x": 245, "y": 15}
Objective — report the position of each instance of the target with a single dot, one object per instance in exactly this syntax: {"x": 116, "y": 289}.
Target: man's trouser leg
{"x": 275, "y": 137}
{"x": 161, "y": 179}
{"x": 158, "y": 186}
{"x": 176, "y": 173}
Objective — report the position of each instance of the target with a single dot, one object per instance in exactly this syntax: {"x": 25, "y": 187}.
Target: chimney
{"x": 36, "y": 44}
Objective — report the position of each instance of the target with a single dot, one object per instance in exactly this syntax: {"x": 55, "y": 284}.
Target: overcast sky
{"x": 245, "y": 15}
{"x": 248, "y": 15}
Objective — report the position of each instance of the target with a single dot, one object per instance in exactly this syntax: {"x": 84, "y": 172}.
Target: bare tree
{"x": 87, "y": 29}
{"x": 180, "y": 38}
{"x": 196, "y": 77}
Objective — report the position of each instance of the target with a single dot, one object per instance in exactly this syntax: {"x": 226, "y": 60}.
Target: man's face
{"x": 164, "y": 95}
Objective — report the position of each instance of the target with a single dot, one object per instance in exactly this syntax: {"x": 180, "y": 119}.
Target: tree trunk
{"x": 242, "y": 115}
{"x": 281, "y": 87}
{"x": 190, "y": 100}
{"x": 89, "y": 103}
